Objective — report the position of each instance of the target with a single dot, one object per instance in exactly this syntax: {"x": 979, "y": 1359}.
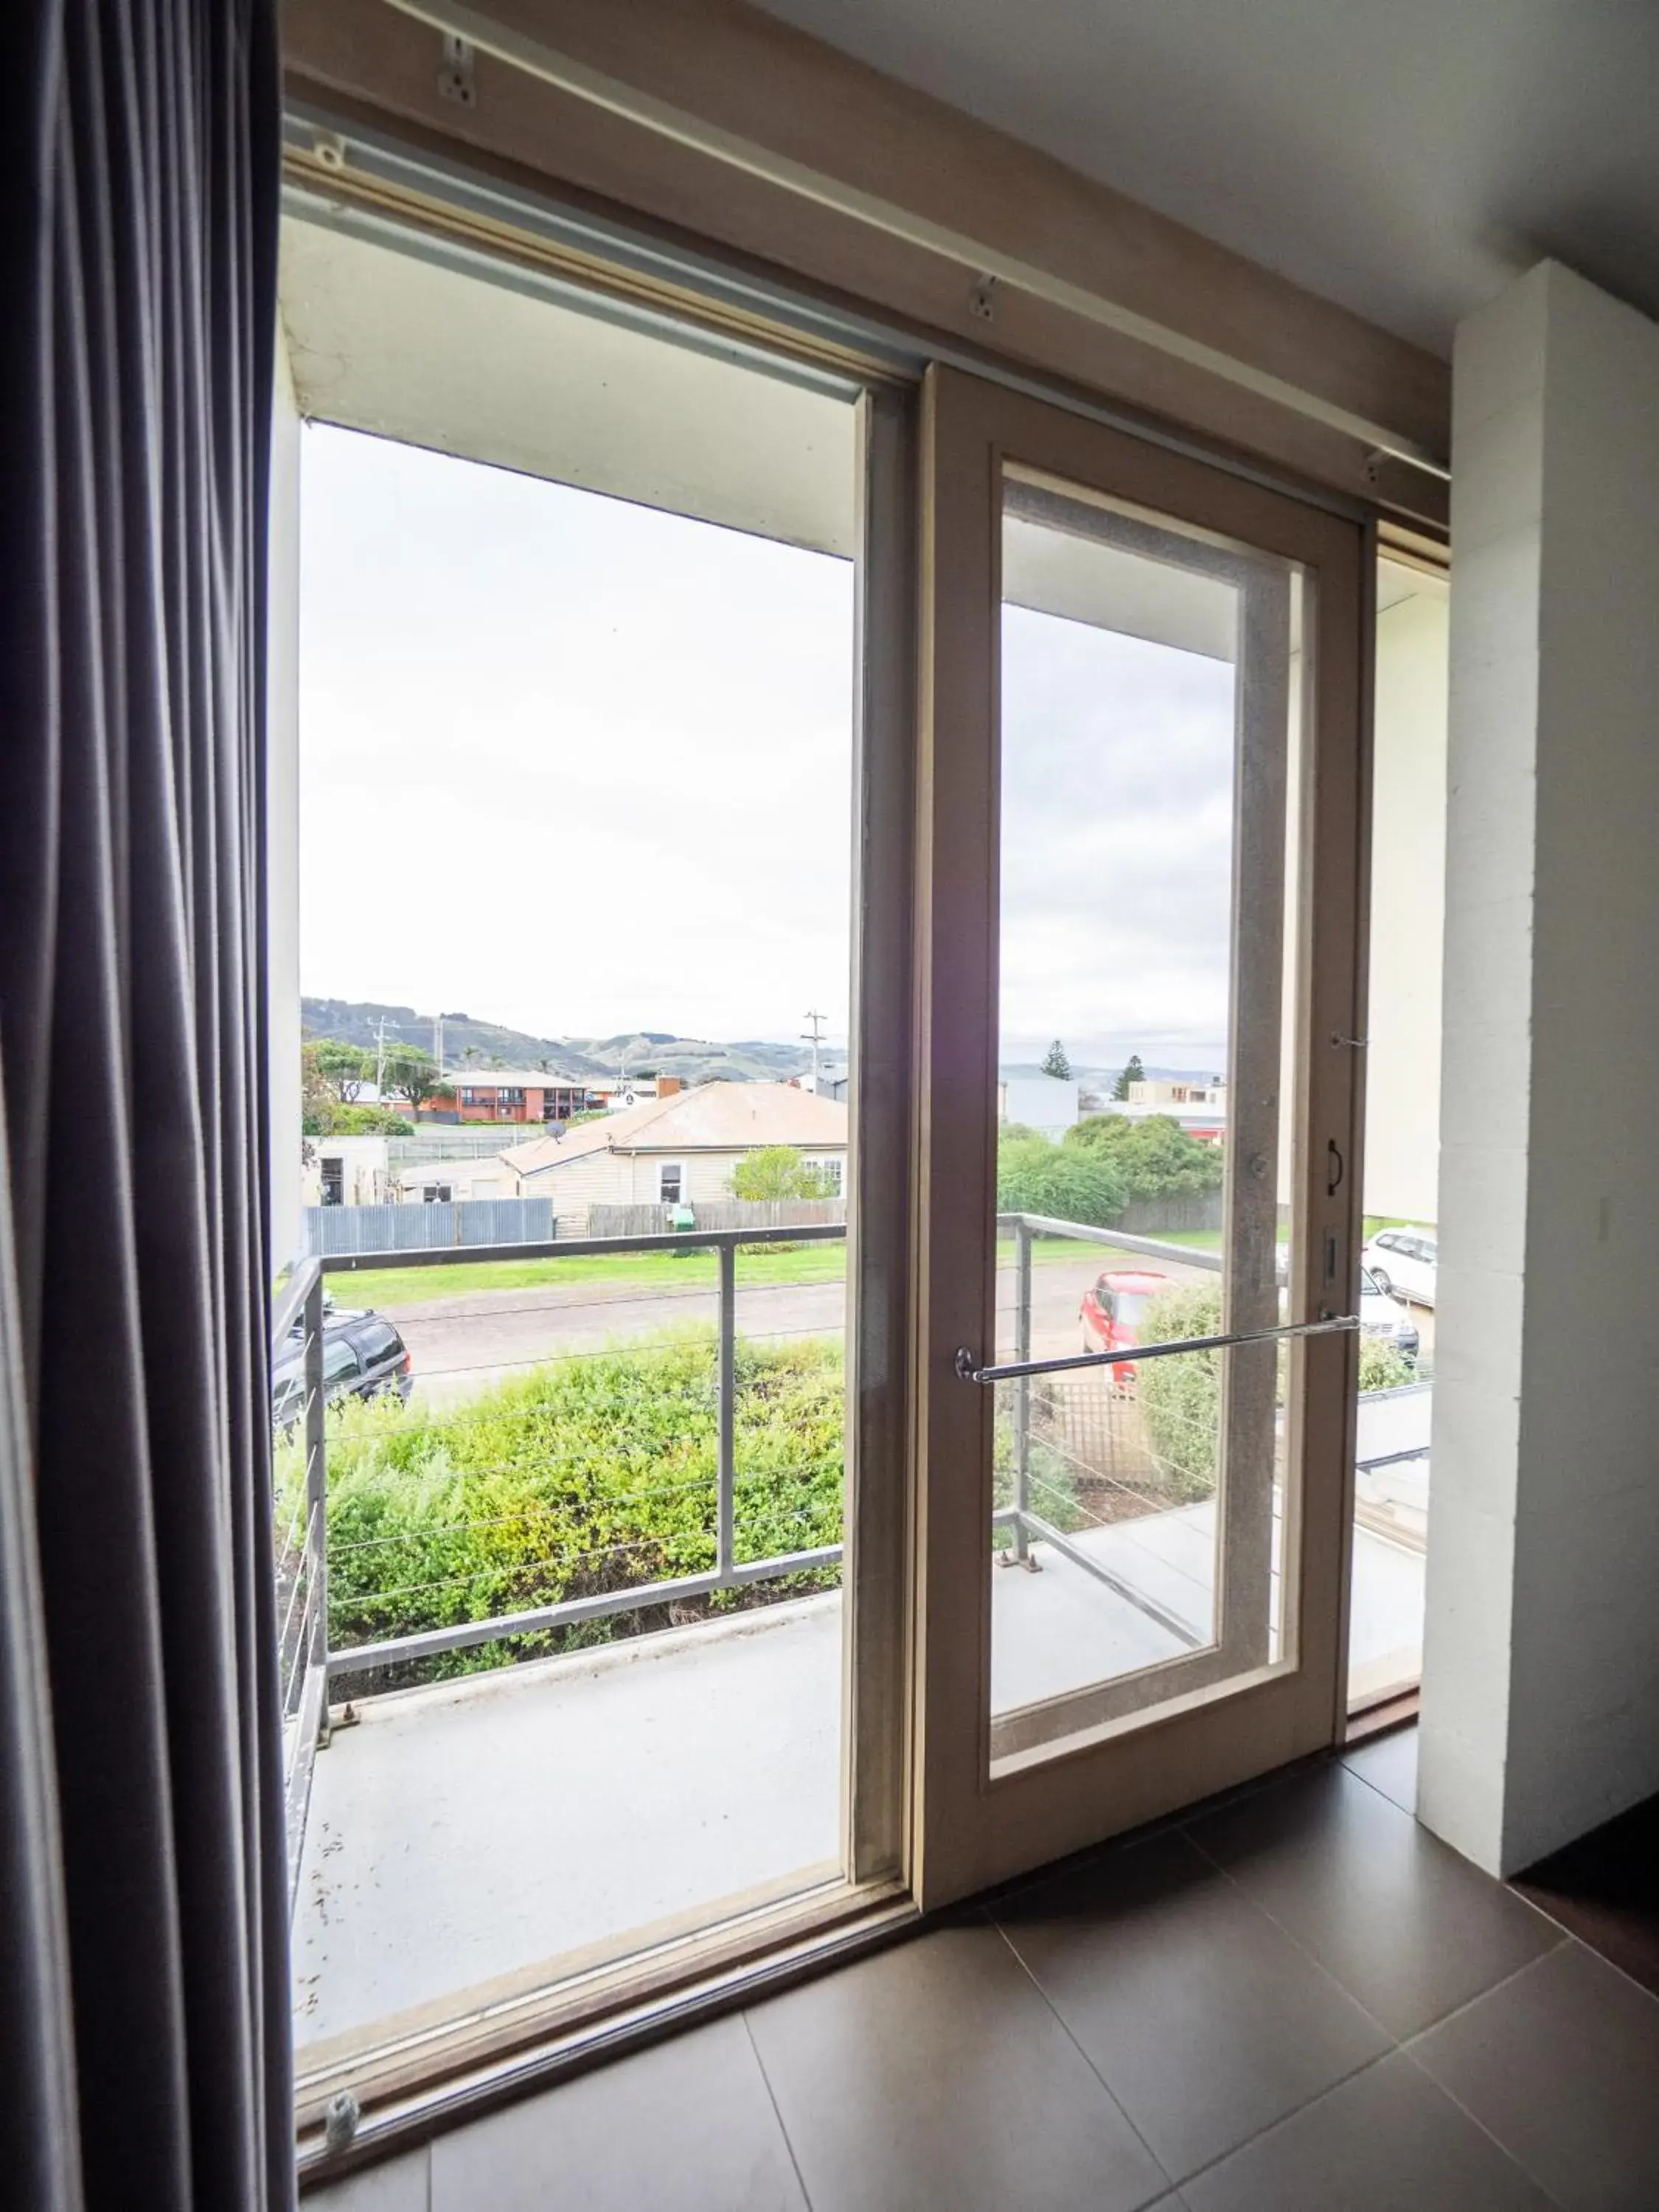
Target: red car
{"x": 1114, "y": 1312}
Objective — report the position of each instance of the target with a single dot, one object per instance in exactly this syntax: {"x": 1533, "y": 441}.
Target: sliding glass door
{"x": 1141, "y": 750}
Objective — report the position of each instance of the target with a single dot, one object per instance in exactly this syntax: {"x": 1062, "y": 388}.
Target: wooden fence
{"x": 715, "y": 1213}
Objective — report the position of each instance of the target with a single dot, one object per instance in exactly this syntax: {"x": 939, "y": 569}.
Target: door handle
{"x": 968, "y": 1369}
{"x": 1333, "y": 1180}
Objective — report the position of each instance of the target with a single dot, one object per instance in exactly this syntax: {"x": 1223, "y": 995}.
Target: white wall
{"x": 1408, "y": 900}
{"x": 282, "y": 817}
{"x": 1540, "y": 1700}
{"x": 1044, "y": 1103}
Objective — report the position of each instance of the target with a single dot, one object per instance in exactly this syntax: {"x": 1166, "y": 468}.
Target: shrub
{"x": 1067, "y": 1184}
{"x": 590, "y": 1474}
{"x": 1180, "y": 1399}
{"x": 1156, "y": 1156}
{"x": 1051, "y": 1486}
{"x": 778, "y": 1171}
{"x": 1382, "y": 1366}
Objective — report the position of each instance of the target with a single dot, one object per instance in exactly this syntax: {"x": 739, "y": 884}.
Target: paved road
{"x": 461, "y": 1344}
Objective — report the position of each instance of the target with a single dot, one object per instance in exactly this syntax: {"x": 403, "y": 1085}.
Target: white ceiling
{"x": 1404, "y": 157}
{"x": 382, "y": 338}
{"x": 392, "y": 342}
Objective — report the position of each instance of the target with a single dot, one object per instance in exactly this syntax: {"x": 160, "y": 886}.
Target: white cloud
{"x": 569, "y": 763}
{"x": 579, "y": 766}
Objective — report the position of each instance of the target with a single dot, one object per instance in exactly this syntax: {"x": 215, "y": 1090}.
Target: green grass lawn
{"x": 388, "y": 1288}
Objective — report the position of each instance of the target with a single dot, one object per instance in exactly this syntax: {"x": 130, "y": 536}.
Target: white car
{"x": 1404, "y": 1261}
{"x": 1381, "y": 1315}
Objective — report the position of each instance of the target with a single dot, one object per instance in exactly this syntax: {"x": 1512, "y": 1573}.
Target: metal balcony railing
{"x": 302, "y": 1557}
{"x": 311, "y": 1663}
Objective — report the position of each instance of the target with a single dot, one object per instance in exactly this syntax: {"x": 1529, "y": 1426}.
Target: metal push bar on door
{"x": 970, "y": 1371}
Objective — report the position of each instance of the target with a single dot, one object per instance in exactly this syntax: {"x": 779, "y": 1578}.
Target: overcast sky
{"x": 582, "y": 767}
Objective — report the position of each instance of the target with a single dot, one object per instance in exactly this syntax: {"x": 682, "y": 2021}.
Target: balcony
{"x": 463, "y": 1839}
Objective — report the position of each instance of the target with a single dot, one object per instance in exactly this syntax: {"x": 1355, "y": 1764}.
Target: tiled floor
{"x": 1605, "y": 1888}
{"x": 1299, "y": 2002}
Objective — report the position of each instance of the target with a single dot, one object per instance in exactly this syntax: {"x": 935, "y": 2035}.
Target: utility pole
{"x": 438, "y": 1041}
{"x": 380, "y": 1063}
{"x": 814, "y": 1036}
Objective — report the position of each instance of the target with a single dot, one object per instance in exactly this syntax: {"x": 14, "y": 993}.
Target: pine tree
{"x": 1134, "y": 1073}
{"x": 1055, "y": 1063}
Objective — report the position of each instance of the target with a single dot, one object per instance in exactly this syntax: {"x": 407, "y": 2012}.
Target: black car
{"x": 363, "y": 1357}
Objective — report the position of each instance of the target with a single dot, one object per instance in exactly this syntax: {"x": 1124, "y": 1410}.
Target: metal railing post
{"x": 317, "y": 1478}
{"x": 725, "y": 1469}
{"x": 1021, "y": 1548}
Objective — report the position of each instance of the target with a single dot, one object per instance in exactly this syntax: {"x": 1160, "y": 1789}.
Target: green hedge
{"x": 1180, "y": 1399}
{"x": 1034, "y": 1176}
{"x": 590, "y": 1473}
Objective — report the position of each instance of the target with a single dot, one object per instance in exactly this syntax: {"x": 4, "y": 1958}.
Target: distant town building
{"x": 1198, "y": 1104}
{"x": 517, "y": 1095}
{"x": 1162, "y": 1091}
{"x": 343, "y": 1171}
{"x": 679, "y": 1150}
{"x": 1048, "y": 1104}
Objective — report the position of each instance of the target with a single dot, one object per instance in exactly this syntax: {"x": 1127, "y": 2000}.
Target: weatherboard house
{"x": 677, "y": 1150}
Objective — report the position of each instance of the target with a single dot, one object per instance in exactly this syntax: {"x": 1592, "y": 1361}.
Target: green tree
{"x": 316, "y": 1096}
{"x": 365, "y": 1121}
{"x": 1133, "y": 1073}
{"x": 344, "y": 1068}
{"x": 1101, "y": 1132}
{"x": 414, "y": 1075}
{"x": 778, "y": 1171}
{"x": 1156, "y": 1156}
{"x": 1055, "y": 1063}
{"x": 322, "y": 1113}
{"x": 1065, "y": 1183}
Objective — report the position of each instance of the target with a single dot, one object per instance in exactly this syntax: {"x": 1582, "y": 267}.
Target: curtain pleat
{"x": 148, "y": 1919}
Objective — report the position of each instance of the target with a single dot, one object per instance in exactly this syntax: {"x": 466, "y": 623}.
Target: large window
{"x": 610, "y": 1489}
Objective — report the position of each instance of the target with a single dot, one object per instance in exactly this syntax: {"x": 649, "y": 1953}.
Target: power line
{"x": 814, "y": 1036}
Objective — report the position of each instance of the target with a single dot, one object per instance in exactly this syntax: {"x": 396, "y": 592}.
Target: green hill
{"x": 472, "y": 1043}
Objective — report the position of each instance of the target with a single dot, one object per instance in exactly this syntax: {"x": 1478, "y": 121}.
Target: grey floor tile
{"x": 1561, "y": 2064}
{"x": 1409, "y": 1928}
{"x": 934, "y": 2077}
{"x": 1389, "y": 1763}
{"x": 685, "y": 2126}
{"x": 1385, "y": 2141}
{"x": 1207, "y": 2022}
{"x": 398, "y": 2185}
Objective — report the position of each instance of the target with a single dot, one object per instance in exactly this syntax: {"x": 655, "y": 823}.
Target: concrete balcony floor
{"x": 463, "y": 1835}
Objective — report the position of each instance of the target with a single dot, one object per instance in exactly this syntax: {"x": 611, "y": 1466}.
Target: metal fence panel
{"x": 334, "y": 1230}
{"x": 504, "y": 1221}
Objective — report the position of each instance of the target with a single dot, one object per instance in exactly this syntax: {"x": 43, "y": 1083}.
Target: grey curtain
{"x": 144, "y": 2006}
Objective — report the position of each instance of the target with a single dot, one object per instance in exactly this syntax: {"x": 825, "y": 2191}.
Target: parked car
{"x": 1382, "y": 1315}
{"x": 363, "y": 1357}
{"x": 1404, "y": 1260}
{"x": 1114, "y": 1314}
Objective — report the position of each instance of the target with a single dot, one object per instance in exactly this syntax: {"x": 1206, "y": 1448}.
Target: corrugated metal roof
{"x": 727, "y": 1117}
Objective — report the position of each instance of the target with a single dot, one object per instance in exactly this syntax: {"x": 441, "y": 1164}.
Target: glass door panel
{"x": 1140, "y": 766}
{"x": 1146, "y": 828}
